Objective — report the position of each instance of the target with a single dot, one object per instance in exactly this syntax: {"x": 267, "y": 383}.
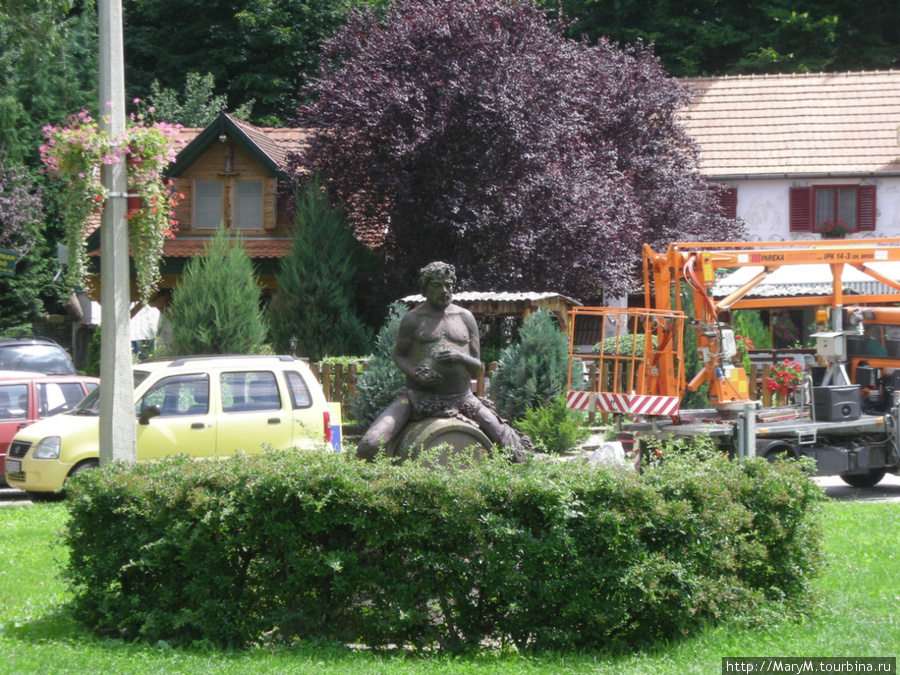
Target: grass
{"x": 859, "y": 615}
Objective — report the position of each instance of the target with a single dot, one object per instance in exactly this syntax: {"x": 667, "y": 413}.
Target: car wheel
{"x": 86, "y": 465}
{"x": 775, "y": 450}
{"x": 863, "y": 480}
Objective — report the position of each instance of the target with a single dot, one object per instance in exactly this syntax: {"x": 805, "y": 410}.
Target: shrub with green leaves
{"x": 378, "y": 385}
{"x": 215, "y": 308}
{"x": 624, "y": 345}
{"x": 542, "y": 556}
{"x": 534, "y": 371}
{"x": 553, "y": 428}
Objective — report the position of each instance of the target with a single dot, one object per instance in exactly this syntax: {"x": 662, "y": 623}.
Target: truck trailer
{"x": 845, "y": 412}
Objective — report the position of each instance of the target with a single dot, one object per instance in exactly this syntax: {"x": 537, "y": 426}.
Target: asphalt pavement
{"x": 888, "y": 490}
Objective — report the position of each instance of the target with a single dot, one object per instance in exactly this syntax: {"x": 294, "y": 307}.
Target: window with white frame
{"x": 248, "y": 204}
{"x": 207, "y": 200}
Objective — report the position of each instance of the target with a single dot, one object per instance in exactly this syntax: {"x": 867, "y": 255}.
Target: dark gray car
{"x": 37, "y": 354}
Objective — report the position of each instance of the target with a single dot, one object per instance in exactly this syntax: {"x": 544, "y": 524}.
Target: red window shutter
{"x": 801, "y": 209}
{"x": 728, "y": 202}
{"x": 865, "y": 208}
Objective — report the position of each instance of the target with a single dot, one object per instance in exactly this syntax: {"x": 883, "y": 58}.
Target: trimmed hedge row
{"x": 547, "y": 555}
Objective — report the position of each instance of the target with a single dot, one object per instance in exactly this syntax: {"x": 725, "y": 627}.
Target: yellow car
{"x": 204, "y": 406}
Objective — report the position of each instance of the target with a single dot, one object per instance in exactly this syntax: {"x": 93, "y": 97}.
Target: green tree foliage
{"x": 534, "y": 371}
{"x": 197, "y": 107}
{"x": 749, "y": 324}
{"x": 378, "y": 385}
{"x": 48, "y": 70}
{"x": 315, "y": 301}
{"x": 255, "y": 49}
{"x": 215, "y": 309}
{"x": 736, "y": 36}
{"x": 483, "y": 137}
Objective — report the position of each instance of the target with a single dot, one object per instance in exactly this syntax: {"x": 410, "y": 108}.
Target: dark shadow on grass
{"x": 54, "y": 625}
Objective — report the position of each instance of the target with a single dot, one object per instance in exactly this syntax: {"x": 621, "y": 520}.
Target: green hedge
{"x": 548, "y": 555}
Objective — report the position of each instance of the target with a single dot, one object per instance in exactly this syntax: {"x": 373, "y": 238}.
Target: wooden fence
{"x": 339, "y": 381}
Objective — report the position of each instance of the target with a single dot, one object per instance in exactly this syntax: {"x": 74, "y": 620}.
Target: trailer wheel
{"x": 863, "y": 480}
{"x": 775, "y": 450}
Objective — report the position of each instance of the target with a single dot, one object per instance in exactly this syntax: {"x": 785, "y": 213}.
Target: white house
{"x": 796, "y": 150}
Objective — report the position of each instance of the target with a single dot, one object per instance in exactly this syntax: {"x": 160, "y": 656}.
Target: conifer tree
{"x": 379, "y": 384}
{"x": 215, "y": 308}
{"x": 534, "y": 371}
{"x": 316, "y": 297}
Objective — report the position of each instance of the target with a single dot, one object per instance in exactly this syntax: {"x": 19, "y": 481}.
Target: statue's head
{"x": 436, "y": 271}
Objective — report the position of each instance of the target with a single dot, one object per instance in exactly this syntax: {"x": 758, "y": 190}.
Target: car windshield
{"x": 90, "y": 405}
{"x": 49, "y": 359}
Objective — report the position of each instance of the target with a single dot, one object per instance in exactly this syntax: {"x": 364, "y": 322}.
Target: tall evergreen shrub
{"x": 379, "y": 383}
{"x": 749, "y": 324}
{"x": 534, "y": 371}
{"x": 215, "y": 309}
{"x": 316, "y": 297}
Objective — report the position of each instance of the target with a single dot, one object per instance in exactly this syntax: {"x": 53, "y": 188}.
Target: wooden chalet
{"x": 230, "y": 172}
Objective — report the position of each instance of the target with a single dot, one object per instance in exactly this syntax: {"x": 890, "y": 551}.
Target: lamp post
{"x": 117, "y": 436}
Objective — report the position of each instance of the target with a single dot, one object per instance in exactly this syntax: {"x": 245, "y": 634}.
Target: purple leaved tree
{"x": 21, "y": 210}
{"x": 476, "y": 133}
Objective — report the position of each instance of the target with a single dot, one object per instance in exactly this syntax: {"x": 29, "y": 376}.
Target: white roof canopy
{"x": 816, "y": 279}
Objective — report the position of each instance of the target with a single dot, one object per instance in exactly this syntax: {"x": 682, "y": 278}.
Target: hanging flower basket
{"x": 75, "y": 153}
{"x": 135, "y": 203}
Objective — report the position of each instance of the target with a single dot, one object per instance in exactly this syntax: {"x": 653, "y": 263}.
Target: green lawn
{"x": 859, "y": 615}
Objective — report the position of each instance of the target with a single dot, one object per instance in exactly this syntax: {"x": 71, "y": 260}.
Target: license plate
{"x": 13, "y": 466}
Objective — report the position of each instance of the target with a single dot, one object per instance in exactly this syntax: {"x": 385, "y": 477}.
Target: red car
{"x": 26, "y": 397}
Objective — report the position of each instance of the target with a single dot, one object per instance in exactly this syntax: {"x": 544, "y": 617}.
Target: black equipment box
{"x": 839, "y": 403}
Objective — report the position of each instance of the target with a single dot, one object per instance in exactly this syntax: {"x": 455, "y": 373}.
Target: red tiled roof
{"x": 822, "y": 123}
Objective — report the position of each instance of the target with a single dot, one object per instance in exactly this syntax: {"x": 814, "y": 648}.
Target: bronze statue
{"x": 438, "y": 351}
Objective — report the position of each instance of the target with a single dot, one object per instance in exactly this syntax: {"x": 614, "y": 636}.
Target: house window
{"x": 812, "y": 206}
{"x": 727, "y": 200}
{"x": 207, "y": 204}
{"x": 248, "y": 204}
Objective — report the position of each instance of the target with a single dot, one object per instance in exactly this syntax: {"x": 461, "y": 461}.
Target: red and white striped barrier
{"x": 581, "y": 400}
{"x": 625, "y": 404}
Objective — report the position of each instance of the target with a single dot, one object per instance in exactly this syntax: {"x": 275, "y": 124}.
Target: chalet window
{"x": 207, "y": 204}
{"x": 812, "y": 206}
{"x": 248, "y": 204}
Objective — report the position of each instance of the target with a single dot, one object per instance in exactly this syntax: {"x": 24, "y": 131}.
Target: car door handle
{"x": 198, "y": 425}
{"x": 274, "y": 420}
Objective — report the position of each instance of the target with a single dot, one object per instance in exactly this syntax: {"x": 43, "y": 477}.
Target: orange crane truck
{"x": 846, "y": 412}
